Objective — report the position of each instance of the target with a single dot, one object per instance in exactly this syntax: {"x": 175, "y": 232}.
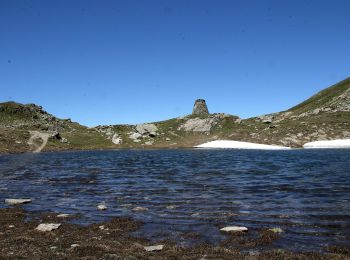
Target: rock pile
{"x": 200, "y": 107}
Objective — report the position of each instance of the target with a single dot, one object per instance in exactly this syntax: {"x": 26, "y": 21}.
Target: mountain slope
{"x": 333, "y": 99}
{"x": 325, "y": 115}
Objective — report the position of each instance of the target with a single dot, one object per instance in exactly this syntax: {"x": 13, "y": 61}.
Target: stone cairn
{"x": 200, "y": 107}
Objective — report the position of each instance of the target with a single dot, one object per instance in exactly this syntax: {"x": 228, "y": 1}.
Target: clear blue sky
{"x": 108, "y": 62}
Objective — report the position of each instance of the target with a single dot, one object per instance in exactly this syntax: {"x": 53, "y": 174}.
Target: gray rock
{"x": 276, "y": 230}
{"x": 146, "y": 129}
{"x": 154, "y": 248}
{"x": 234, "y": 229}
{"x": 55, "y": 135}
{"x": 64, "y": 215}
{"x": 140, "y": 209}
{"x": 200, "y": 107}
{"x": 135, "y": 136}
{"x": 47, "y": 227}
{"x": 152, "y": 134}
{"x": 17, "y": 201}
{"x": 116, "y": 139}
{"x": 198, "y": 125}
{"x": 102, "y": 206}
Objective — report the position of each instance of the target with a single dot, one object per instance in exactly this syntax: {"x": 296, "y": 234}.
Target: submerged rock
{"x": 154, "y": 248}
{"x": 276, "y": 230}
{"x": 102, "y": 206}
{"x": 17, "y": 201}
{"x": 47, "y": 227}
{"x": 140, "y": 209}
{"x": 234, "y": 229}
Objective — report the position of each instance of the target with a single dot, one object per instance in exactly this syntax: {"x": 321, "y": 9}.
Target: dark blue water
{"x": 305, "y": 192}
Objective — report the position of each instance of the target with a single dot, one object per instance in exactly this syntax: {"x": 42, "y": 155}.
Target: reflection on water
{"x": 306, "y": 193}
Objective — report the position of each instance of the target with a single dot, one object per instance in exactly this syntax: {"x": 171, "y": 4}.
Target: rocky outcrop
{"x": 200, "y": 107}
{"x": 198, "y": 125}
{"x": 116, "y": 139}
{"x": 147, "y": 129}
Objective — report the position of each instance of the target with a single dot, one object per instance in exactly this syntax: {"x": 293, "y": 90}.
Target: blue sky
{"x": 109, "y": 62}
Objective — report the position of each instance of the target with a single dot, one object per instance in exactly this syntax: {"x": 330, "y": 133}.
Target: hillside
{"x": 325, "y": 115}
{"x": 333, "y": 99}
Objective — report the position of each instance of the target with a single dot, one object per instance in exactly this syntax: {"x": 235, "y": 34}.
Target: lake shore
{"x": 113, "y": 240}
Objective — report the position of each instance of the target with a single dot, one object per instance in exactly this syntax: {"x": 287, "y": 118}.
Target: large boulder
{"x": 135, "y": 136}
{"x": 200, "y": 107}
{"x": 198, "y": 125}
{"x": 147, "y": 129}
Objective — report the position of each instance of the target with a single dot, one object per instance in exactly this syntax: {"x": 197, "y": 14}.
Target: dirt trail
{"x": 35, "y": 135}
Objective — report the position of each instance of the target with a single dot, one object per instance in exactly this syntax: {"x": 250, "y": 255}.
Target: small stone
{"x": 11, "y": 226}
{"x": 276, "y": 230}
{"x": 154, "y": 248}
{"x": 167, "y": 139}
{"x": 234, "y": 229}
{"x": 102, "y": 206}
{"x": 102, "y": 227}
{"x": 74, "y": 245}
{"x": 171, "y": 207}
{"x": 53, "y": 247}
{"x": 48, "y": 227}
{"x": 17, "y": 201}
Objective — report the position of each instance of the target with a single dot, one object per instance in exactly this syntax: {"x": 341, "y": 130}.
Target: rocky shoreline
{"x": 113, "y": 239}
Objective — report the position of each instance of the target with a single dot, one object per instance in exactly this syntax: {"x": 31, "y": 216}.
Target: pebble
{"x": 11, "y": 226}
{"x": 74, "y": 245}
{"x": 47, "y": 227}
{"x": 53, "y": 247}
{"x": 234, "y": 229}
{"x": 102, "y": 227}
{"x": 154, "y": 248}
{"x": 17, "y": 201}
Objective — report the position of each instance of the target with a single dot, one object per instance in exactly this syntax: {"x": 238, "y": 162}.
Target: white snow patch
{"x": 339, "y": 143}
{"x": 229, "y": 144}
